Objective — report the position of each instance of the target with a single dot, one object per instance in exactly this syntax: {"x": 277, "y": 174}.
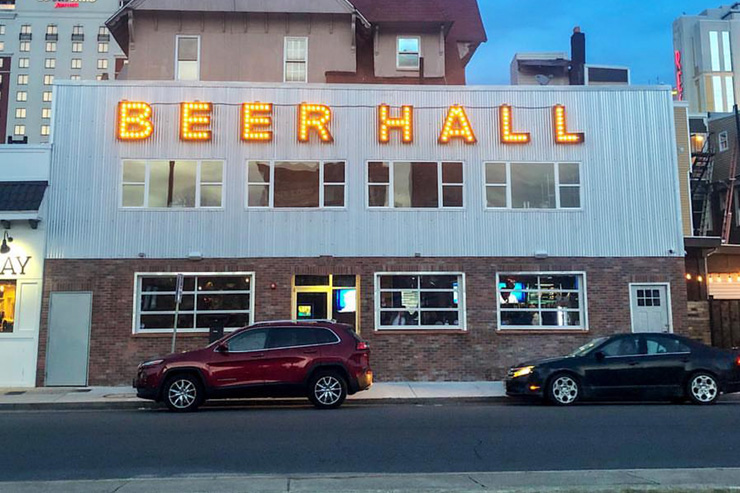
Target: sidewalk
{"x": 125, "y": 397}
{"x": 616, "y": 481}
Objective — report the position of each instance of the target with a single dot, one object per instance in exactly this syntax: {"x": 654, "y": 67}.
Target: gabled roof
{"x": 21, "y": 196}
{"x": 463, "y": 15}
{"x": 270, "y": 6}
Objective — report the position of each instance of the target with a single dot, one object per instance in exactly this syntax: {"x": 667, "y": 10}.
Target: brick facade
{"x": 481, "y": 353}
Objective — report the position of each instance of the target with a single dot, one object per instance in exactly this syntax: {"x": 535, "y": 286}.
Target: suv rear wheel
{"x": 183, "y": 393}
{"x": 327, "y": 390}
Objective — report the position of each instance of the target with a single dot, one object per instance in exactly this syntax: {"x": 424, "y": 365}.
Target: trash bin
{"x": 216, "y": 327}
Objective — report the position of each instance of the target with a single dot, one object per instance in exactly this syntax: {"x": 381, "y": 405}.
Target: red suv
{"x": 324, "y": 361}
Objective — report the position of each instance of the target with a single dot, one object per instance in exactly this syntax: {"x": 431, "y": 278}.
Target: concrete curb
{"x": 237, "y": 403}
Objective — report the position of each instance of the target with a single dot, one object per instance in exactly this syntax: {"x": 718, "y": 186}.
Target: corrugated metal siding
{"x": 631, "y": 202}
{"x": 683, "y": 144}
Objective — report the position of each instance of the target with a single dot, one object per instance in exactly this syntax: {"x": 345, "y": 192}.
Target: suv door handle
{"x": 310, "y": 351}
{"x": 257, "y": 356}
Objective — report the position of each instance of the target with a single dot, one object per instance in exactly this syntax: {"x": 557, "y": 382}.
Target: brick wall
{"x": 482, "y": 353}
{"x": 699, "y": 321}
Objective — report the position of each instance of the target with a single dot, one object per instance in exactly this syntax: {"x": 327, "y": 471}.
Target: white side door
{"x": 651, "y": 308}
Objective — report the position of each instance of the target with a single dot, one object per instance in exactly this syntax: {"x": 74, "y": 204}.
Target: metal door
{"x": 68, "y": 348}
{"x": 650, "y": 308}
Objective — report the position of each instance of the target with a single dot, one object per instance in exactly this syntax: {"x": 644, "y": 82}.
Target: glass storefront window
{"x": 205, "y": 296}
{"x": 7, "y": 306}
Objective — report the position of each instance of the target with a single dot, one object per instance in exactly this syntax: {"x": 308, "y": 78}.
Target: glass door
{"x": 332, "y": 297}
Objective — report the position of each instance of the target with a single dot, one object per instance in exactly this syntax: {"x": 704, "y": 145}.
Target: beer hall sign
{"x": 136, "y": 122}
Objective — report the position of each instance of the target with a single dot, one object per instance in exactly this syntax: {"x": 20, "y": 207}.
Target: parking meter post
{"x": 178, "y": 299}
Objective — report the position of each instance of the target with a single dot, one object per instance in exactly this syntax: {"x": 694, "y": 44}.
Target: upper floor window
{"x": 103, "y": 47}
{"x": 541, "y": 301}
{"x": 296, "y": 59}
{"x": 2, "y": 29}
{"x": 52, "y": 29}
{"x": 77, "y": 47}
{"x": 102, "y": 31}
{"x": 2, "y": 45}
{"x": 48, "y": 79}
{"x": 24, "y": 62}
{"x": 77, "y": 30}
{"x": 50, "y": 63}
{"x": 533, "y": 185}
{"x": 172, "y": 184}
{"x": 102, "y": 64}
{"x": 187, "y": 54}
{"x": 305, "y": 184}
{"x": 408, "y": 53}
{"x": 51, "y": 46}
{"x": 724, "y": 141}
{"x": 25, "y": 46}
{"x": 22, "y": 79}
{"x": 415, "y": 184}
{"x": 26, "y": 29}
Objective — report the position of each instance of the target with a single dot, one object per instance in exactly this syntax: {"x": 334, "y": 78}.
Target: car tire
{"x": 183, "y": 393}
{"x": 564, "y": 389}
{"x": 703, "y": 388}
{"x": 327, "y": 390}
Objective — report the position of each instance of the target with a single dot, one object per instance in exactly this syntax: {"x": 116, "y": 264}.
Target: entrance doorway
{"x": 334, "y": 297}
{"x": 651, "y": 308}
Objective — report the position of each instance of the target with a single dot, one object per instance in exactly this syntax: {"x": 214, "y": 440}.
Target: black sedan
{"x": 631, "y": 366}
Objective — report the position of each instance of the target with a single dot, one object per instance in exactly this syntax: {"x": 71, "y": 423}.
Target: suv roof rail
{"x": 293, "y": 321}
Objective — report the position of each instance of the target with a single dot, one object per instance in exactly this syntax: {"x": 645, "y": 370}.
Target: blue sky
{"x": 632, "y": 33}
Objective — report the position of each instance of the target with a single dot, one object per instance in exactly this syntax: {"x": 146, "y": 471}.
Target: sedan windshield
{"x": 587, "y": 348}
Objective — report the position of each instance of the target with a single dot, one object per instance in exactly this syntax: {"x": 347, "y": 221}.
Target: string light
{"x": 507, "y": 135}
{"x": 688, "y": 277}
{"x": 457, "y": 126}
{"x": 255, "y": 117}
{"x": 405, "y": 123}
{"x": 195, "y": 118}
{"x": 134, "y": 120}
{"x": 699, "y": 279}
{"x": 562, "y": 136}
{"x": 317, "y": 117}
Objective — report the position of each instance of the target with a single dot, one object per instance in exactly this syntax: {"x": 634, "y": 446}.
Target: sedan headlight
{"x": 522, "y": 372}
{"x": 153, "y": 362}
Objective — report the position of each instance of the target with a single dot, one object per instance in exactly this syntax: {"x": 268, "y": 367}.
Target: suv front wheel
{"x": 183, "y": 393}
{"x": 327, "y": 390}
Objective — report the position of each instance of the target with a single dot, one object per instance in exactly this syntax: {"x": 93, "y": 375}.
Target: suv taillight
{"x": 362, "y": 346}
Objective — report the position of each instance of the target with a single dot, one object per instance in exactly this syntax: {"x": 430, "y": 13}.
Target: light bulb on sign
{"x": 508, "y": 136}
{"x": 562, "y": 136}
{"x": 316, "y": 117}
{"x": 134, "y": 120}
{"x": 404, "y": 123}
{"x": 195, "y": 118}
{"x": 256, "y": 122}
{"x": 457, "y": 126}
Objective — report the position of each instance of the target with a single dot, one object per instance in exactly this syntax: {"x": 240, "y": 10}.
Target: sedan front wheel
{"x": 564, "y": 390}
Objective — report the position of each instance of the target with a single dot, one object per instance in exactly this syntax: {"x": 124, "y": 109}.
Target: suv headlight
{"x": 153, "y": 362}
{"x": 522, "y": 372}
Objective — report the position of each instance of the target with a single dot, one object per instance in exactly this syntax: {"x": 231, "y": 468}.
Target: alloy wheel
{"x": 704, "y": 388}
{"x": 565, "y": 390}
{"x": 328, "y": 390}
{"x": 182, "y": 393}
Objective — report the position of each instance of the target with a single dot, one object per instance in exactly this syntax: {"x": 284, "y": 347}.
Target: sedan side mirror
{"x": 600, "y": 356}
{"x": 223, "y": 348}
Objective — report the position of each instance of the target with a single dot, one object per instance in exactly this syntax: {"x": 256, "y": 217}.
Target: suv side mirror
{"x": 600, "y": 356}
{"x": 223, "y": 348}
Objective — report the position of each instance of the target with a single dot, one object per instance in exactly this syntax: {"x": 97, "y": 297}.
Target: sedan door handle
{"x": 633, "y": 363}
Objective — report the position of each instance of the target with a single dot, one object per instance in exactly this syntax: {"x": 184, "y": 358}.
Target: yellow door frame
{"x": 329, "y": 296}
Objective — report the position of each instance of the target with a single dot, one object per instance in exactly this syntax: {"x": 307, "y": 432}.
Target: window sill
{"x": 420, "y": 332}
{"x": 542, "y": 331}
{"x": 168, "y": 335}
{"x": 181, "y": 209}
{"x": 522, "y": 211}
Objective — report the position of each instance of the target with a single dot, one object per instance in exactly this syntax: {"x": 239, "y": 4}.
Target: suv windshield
{"x": 587, "y": 348}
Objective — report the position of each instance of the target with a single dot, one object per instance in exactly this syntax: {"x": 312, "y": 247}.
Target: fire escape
{"x": 701, "y": 187}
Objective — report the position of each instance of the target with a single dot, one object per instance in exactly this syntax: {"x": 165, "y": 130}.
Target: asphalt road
{"x": 461, "y": 437}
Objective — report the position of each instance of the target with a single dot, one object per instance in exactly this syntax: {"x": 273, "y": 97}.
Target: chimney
{"x": 578, "y": 58}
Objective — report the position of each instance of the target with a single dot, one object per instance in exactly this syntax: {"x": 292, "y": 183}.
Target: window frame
{"x": 19, "y": 129}
{"x": 45, "y": 130}
{"x": 147, "y": 180}
{"x": 177, "y": 55}
{"x": 104, "y": 47}
{"x": 440, "y": 186}
{"x": 271, "y": 185}
{"x": 583, "y": 305}
{"x": 723, "y": 141}
{"x": 462, "y": 304}
{"x": 509, "y": 198}
{"x": 24, "y": 47}
{"x": 24, "y": 62}
{"x": 285, "y": 60}
{"x": 135, "y": 330}
{"x": 398, "y": 54}
{"x": 50, "y": 63}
